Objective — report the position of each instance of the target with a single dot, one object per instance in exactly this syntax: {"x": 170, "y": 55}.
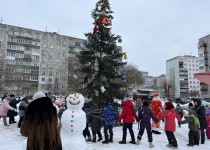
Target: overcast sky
{"x": 152, "y": 30}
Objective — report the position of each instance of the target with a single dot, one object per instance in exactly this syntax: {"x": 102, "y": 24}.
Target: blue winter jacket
{"x": 87, "y": 109}
{"x": 109, "y": 115}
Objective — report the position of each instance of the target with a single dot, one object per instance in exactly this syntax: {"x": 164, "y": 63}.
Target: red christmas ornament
{"x": 104, "y": 20}
{"x": 95, "y": 29}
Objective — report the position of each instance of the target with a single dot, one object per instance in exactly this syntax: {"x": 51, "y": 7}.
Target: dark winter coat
{"x": 128, "y": 113}
{"x": 95, "y": 120}
{"x": 109, "y": 115}
{"x": 179, "y": 111}
{"x": 200, "y": 111}
{"x": 87, "y": 109}
{"x": 3, "y": 97}
{"x": 22, "y": 108}
{"x": 40, "y": 125}
{"x": 13, "y": 104}
{"x": 192, "y": 122}
{"x": 145, "y": 115}
{"x": 169, "y": 114}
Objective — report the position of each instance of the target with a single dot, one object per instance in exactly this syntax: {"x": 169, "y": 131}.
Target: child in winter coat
{"x": 4, "y": 107}
{"x": 87, "y": 109}
{"x": 128, "y": 114}
{"x": 145, "y": 115}
{"x": 179, "y": 111}
{"x": 109, "y": 115}
{"x": 95, "y": 120}
{"x": 194, "y": 125}
{"x": 170, "y": 114}
{"x": 208, "y": 122}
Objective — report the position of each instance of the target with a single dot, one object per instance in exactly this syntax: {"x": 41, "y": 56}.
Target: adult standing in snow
{"x": 40, "y": 124}
{"x": 169, "y": 114}
{"x": 4, "y": 107}
{"x": 11, "y": 114}
{"x": 179, "y": 111}
{"x": 128, "y": 115}
{"x": 157, "y": 108}
{"x": 109, "y": 115}
{"x": 22, "y": 110}
{"x": 200, "y": 110}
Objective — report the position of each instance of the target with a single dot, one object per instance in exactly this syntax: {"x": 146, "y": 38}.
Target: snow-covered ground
{"x": 10, "y": 139}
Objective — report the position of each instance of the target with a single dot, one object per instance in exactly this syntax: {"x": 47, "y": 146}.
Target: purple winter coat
{"x": 4, "y": 107}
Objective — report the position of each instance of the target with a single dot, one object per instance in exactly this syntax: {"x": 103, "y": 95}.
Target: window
{"x": 50, "y": 73}
{"x": 51, "y": 46}
{"x": 43, "y": 79}
{"x": 50, "y": 79}
{"x": 50, "y": 66}
{"x": 43, "y": 72}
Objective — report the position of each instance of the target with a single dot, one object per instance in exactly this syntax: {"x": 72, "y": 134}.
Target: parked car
{"x": 181, "y": 101}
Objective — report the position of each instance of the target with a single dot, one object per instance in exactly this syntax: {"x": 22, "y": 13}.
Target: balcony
{"x": 202, "y": 44}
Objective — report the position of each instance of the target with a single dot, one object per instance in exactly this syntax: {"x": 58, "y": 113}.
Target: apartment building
{"x": 32, "y": 60}
{"x": 180, "y": 72}
{"x": 204, "y": 62}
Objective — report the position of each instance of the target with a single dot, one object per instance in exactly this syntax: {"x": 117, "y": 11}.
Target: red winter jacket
{"x": 128, "y": 113}
{"x": 169, "y": 115}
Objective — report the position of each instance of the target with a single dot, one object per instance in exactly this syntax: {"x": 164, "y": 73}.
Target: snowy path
{"x": 10, "y": 139}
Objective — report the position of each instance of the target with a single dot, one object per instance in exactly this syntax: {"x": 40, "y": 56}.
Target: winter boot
{"x": 105, "y": 142}
{"x": 169, "y": 145}
{"x": 94, "y": 140}
{"x": 89, "y": 138}
{"x": 174, "y": 147}
{"x": 138, "y": 141}
{"x": 132, "y": 142}
{"x": 151, "y": 145}
{"x": 123, "y": 142}
{"x": 111, "y": 139}
{"x": 100, "y": 139}
{"x": 156, "y": 132}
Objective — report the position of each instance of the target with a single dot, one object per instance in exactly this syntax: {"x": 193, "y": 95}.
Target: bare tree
{"x": 133, "y": 75}
{"x": 2, "y": 77}
{"x": 167, "y": 85}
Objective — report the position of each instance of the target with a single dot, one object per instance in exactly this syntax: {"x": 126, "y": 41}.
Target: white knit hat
{"x": 38, "y": 95}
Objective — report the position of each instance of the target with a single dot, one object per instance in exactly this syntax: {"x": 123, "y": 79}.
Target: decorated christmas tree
{"x": 101, "y": 60}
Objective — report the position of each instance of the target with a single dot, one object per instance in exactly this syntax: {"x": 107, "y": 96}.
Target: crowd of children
{"x": 198, "y": 119}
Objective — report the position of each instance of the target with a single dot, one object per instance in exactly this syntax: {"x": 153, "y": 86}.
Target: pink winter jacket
{"x": 4, "y": 107}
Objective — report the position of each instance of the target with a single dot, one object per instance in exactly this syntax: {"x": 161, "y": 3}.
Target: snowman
{"x": 73, "y": 123}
